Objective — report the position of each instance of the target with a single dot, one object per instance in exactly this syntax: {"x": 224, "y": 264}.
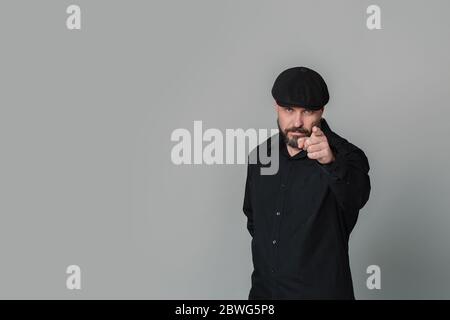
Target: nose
{"x": 298, "y": 121}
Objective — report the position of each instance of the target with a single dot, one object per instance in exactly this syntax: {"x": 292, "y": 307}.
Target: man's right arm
{"x": 247, "y": 207}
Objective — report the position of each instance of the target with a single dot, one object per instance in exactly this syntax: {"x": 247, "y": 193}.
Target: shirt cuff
{"x": 336, "y": 169}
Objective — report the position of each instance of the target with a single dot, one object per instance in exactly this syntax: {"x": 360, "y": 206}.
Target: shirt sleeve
{"x": 348, "y": 177}
{"x": 247, "y": 207}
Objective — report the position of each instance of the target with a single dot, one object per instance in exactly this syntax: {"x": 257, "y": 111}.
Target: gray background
{"x": 86, "y": 118}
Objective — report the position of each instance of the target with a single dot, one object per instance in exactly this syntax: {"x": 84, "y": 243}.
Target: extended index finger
{"x": 317, "y": 131}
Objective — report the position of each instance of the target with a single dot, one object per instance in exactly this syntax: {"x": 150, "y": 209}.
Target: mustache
{"x": 297, "y": 130}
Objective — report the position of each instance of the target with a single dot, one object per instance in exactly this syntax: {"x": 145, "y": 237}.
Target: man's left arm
{"x": 349, "y": 178}
{"x": 346, "y": 167}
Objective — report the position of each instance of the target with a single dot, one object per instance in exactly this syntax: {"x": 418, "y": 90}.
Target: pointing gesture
{"x": 317, "y": 146}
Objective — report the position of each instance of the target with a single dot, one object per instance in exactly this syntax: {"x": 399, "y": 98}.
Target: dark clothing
{"x": 300, "y": 221}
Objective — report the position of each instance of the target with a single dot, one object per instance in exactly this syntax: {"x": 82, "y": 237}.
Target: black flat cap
{"x": 300, "y": 87}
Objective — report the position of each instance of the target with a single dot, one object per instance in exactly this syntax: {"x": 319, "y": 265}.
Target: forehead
{"x": 299, "y": 108}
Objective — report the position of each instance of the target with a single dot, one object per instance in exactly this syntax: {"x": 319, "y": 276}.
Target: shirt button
{"x": 278, "y": 213}
{"x": 283, "y": 185}
{"x": 274, "y": 241}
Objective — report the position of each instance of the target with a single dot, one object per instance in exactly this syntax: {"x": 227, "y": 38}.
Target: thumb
{"x": 301, "y": 143}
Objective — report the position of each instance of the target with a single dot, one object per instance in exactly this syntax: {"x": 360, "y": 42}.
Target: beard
{"x": 292, "y": 142}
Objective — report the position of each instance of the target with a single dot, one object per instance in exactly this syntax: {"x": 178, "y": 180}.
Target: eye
{"x": 308, "y": 112}
{"x": 289, "y": 109}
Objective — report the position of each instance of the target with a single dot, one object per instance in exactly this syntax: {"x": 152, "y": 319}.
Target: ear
{"x": 276, "y": 107}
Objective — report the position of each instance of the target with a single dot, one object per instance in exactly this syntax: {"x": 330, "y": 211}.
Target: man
{"x": 300, "y": 218}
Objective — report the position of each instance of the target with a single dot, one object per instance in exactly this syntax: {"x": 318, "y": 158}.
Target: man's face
{"x": 297, "y": 122}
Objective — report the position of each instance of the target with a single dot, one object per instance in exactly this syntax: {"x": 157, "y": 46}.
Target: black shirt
{"x": 300, "y": 221}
